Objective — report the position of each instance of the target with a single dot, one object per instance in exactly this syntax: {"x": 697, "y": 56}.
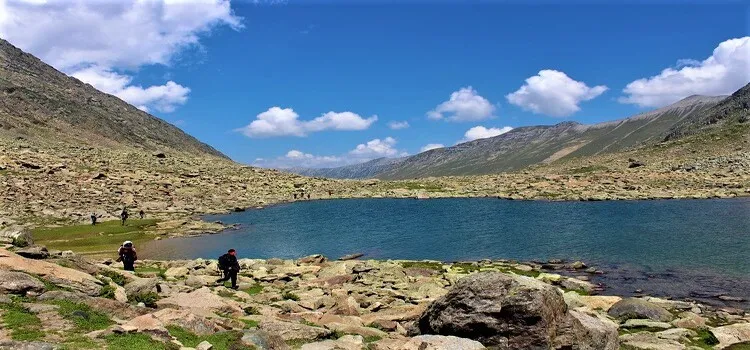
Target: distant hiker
{"x": 124, "y": 216}
{"x": 330, "y": 193}
{"x": 93, "y": 219}
{"x": 229, "y": 267}
{"x": 127, "y": 255}
{"x": 295, "y": 195}
{"x": 142, "y": 214}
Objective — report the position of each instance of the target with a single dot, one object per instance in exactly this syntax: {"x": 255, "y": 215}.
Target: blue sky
{"x": 231, "y": 62}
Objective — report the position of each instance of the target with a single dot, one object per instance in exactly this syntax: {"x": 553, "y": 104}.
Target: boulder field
{"x": 313, "y": 303}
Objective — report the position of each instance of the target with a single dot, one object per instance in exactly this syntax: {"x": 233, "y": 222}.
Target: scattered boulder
{"x": 628, "y": 308}
{"x": 732, "y": 334}
{"x": 313, "y": 259}
{"x": 18, "y": 236}
{"x": 584, "y": 332}
{"x": 440, "y": 342}
{"x": 160, "y": 155}
{"x": 499, "y": 310}
{"x": 33, "y": 252}
{"x": 262, "y": 340}
{"x": 202, "y": 302}
{"x": 141, "y": 286}
{"x": 351, "y": 256}
{"x": 19, "y": 283}
{"x": 204, "y": 345}
{"x": 294, "y": 331}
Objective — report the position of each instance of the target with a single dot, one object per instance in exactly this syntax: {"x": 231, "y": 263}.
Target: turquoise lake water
{"x": 691, "y": 241}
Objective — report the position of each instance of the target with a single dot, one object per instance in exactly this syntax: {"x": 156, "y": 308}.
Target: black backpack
{"x": 224, "y": 262}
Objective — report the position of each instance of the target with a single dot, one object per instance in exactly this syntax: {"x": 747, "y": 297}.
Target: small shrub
{"x": 115, "y": 277}
{"x": 250, "y": 310}
{"x": 149, "y": 299}
{"x": 107, "y": 292}
{"x": 290, "y": 296}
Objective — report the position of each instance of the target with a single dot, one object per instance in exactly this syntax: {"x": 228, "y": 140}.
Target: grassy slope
{"x": 104, "y": 238}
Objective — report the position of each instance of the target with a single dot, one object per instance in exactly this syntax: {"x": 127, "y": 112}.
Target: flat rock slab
{"x": 63, "y": 276}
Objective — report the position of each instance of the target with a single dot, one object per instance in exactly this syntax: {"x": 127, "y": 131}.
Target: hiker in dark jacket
{"x": 124, "y": 215}
{"x": 229, "y": 265}
{"x": 127, "y": 255}
{"x": 93, "y": 219}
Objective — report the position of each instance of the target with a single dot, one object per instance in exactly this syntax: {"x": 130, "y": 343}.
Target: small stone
{"x": 204, "y": 345}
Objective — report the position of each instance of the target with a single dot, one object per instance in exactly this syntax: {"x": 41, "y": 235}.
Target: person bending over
{"x": 229, "y": 267}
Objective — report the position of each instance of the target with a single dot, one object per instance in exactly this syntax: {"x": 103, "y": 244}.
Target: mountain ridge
{"x": 38, "y": 101}
{"x": 539, "y": 144}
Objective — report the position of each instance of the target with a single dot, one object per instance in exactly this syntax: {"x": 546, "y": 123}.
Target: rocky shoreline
{"x": 315, "y": 303}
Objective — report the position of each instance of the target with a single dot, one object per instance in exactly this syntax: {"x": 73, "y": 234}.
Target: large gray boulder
{"x": 581, "y": 331}
{"x": 626, "y": 309}
{"x": 19, "y": 236}
{"x": 33, "y": 252}
{"x": 12, "y": 282}
{"x": 496, "y": 309}
{"x": 263, "y": 340}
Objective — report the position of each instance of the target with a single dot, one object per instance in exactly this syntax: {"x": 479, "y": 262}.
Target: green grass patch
{"x": 24, "y": 325}
{"x": 431, "y": 265}
{"x": 76, "y": 342}
{"x": 149, "y": 299}
{"x": 290, "y": 296}
{"x": 136, "y": 341}
{"x": 116, "y": 277}
{"x": 107, "y": 292}
{"x": 414, "y": 185}
{"x": 150, "y": 271}
{"x": 250, "y": 323}
{"x": 466, "y": 267}
{"x": 372, "y": 338}
{"x": 254, "y": 289}
{"x": 531, "y": 273}
{"x": 221, "y": 340}
{"x": 103, "y": 237}
{"x": 83, "y": 316}
{"x": 705, "y": 340}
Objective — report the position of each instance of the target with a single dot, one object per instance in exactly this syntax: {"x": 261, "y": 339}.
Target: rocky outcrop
{"x": 16, "y": 235}
{"x": 638, "y": 308}
{"x": 514, "y": 312}
{"x": 19, "y": 283}
{"x": 498, "y": 309}
{"x": 55, "y": 274}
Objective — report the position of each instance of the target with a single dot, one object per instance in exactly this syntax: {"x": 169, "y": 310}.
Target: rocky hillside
{"x": 531, "y": 145}
{"x": 37, "y": 101}
{"x": 58, "y": 300}
{"x": 364, "y": 170}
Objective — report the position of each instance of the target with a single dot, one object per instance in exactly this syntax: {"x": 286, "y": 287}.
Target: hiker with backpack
{"x": 229, "y": 266}
{"x": 127, "y": 255}
{"x": 124, "y": 215}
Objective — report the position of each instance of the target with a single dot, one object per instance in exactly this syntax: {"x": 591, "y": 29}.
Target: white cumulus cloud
{"x": 277, "y": 121}
{"x": 98, "y": 41}
{"x": 370, "y": 150}
{"x": 431, "y": 146}
{"x": 480, "y": 132}
{"x": 398, "y": 125}
{"x": 464, "y": 105}
{"x": 724, "y": 72}
{"x": 376, "y": 148}
{"x": 553, "y": 93}
{"x": 163, "y": 98}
